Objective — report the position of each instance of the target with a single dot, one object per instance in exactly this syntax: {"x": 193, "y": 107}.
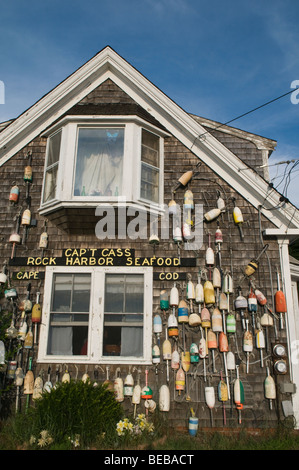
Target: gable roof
{"x": 107, "y": 64}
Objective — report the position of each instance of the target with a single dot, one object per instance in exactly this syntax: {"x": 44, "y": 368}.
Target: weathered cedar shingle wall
{"x": 206, "y": 186}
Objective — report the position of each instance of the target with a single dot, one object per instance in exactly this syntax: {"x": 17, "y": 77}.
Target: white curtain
{"x": 100, "y": 173}
{"x": 61, "y": 341}
{"x": 131, "y": 341}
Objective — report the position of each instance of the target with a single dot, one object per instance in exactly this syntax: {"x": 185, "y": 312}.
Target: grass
{"x": 170, "y": 439}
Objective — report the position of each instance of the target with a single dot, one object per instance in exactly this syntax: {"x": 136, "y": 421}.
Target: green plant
{"x": 74, "y": 413}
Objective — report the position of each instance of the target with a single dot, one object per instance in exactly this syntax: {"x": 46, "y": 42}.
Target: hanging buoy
{"x": 26, "y": 217}
{"x": 36, "y": 315}
{"x": 22, "y": 330}
{"x": 29, "y": 380}
{"x": 157, "y": 324}
{"x": 231, "y": 323}
{"x": 3, "y": 276}
{"x": 210, "y": 257}
{"x": 254, "y": 263}
{"x": 205, "y": 318}
{"x": 252, "y": 306}
{"x": 223, "y": 305}
{"x": 186, "y": 360}
{"x": 238, "y": 219}
{"x": 220, "y": 204}
{"x": 193, "y": 424}
{"x": 183, "y": 313}
{"x": 228, "y": 284}
{"x": 190, "y": 290}
{"x": 66, "y": 378}
{"x": 118, "y": 386}
{"x": 164, "y": 301}
{"x": 194, "y": 353}
{"x": 108, "y": 383}
{"x": 238, "y": 394}
{"x": 156, "y": 356}
{"x": 185, "y": 178}
{"x": 48, "y": 384}
{"x": 247, "y": 345}
{"x": 166, "y": 353}
{"x": 230, "y": 360}
{"x": 218, "y": 237}
{"x": 175, "y": 359}
{"x": 210, "y": 400}
{"x": 180, "y": 380}
{"x": 210, "y": 396}
{"x": 173, "y": 329}
{"x": 260, "y": 344}
{"x": 209, "y": 293}
{"x": 164, "y": 398}
{"x": 146, "y": 393}
{"x": 188, "y": 200}
{"x": 199, "y": 294}
{"x": 177, "y": 234}
{"x": 260, "y": 297}
{"x": 216, "y": 278}
{"x": 28, "y": 174}
{"x": 28, "y": 341}
{"x": 223, "y": 395}
{"x": 172, "y": 207}
{"x": 43, "y": 241}
{"x": 212, "y": 344}
{"x": 216, "y": 321}
{"x": 222, "y": 391}
{"x": 85, "y": 377}
{"x": 136, "y": 397}
{"x": 223, "y": 348}
{"x": 241, "y": 306}
{"x": 38, "y": 388}
{"x": 14, "y": 194}
{"x": 202, "y": 351}
{"x": 212, "y": 215}
{"x": 174, "y": 296}
{"x": 194, "y": 319}
{"x": 269, "y": 388}
{"x": 128, "y": 385}
{"x": 280, "y": 302}
{"x": 15, "y": 238}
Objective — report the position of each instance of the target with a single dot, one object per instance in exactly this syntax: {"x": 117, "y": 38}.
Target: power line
{"x": 245, "y": 114}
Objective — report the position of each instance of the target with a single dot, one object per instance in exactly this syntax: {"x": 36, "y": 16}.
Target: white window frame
{"x": 96, "y": 316}
{"x": 131, "y": 190}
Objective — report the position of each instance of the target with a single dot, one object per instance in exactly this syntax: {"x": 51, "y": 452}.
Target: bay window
{"x": 99, "y": 162}
{"x": 52, "y": 161}
{"x": 96, "y": 314}
{"x": 92, "y": 161}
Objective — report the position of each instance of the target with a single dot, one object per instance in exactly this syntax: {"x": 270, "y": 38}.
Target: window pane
{"x": 99, "y": 166}
{"x": 81, "y": 293}
{"x": 71, "y": 295}
{"x": 62, "y": 293}
{"x": 50, "y": 184}
{"x": 123, "y": 320}
{"x": 114, "y": 293}
{"x": 149, "y": 183}
{"x": 68, "y": 340}
{"x": 150, "y": 148}
{"x": 54, "y": 149}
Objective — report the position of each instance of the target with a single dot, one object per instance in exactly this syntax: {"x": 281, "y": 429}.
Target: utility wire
{"x": 245, "y": 114}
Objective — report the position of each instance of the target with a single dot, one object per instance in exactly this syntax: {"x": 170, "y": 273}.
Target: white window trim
{"x": 132, "y": 163}
{"x": 96, "y": 316}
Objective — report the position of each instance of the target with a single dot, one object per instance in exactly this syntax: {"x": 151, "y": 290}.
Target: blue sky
{"x": 213, "y": 58}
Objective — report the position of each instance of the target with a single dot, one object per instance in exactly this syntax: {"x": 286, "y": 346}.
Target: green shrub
{"x": 75, "y": 413}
